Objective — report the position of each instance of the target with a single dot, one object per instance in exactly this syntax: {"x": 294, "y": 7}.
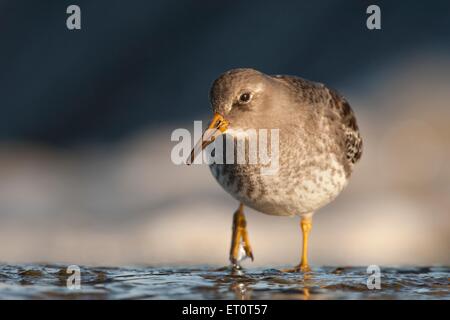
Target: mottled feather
{"x": 318, "y": 93}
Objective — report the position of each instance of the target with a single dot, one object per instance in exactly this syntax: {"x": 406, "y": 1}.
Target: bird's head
{"x": 238, "y": 91}
{"x": 240, "y": 99}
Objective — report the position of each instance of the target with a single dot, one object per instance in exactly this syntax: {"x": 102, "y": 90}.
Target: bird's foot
{"x": 232, "y": 268}
{"x": 240, "y": 243}
{"x": 303, "y": 268}
{"x": 247, "y": 249}
{"x": 243, "y": 252}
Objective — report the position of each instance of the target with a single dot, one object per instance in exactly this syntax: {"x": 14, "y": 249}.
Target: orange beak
{"x": 217, "y": 126}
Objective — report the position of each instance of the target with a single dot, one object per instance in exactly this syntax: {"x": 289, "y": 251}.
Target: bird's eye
{"x": 245, "y": 97}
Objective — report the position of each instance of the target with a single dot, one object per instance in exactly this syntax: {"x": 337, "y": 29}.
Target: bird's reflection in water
{"x": 304, "y": 291}
{"x": 242, "y": 284}
{"x": 240, "y": 288}
{"x": 241, "y": 291}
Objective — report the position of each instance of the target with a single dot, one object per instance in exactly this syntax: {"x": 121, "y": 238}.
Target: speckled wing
{"x": 319, "y": 94}
{"x": 353, "y": 140}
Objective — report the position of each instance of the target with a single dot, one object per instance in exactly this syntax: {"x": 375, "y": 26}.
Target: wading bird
{"x": 319, "y": 144}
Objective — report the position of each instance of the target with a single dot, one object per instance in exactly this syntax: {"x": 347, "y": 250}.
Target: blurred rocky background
{"x": 86, "y": 118}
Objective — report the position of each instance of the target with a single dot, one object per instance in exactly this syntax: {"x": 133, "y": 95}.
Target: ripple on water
{"x": 40, "y": 281}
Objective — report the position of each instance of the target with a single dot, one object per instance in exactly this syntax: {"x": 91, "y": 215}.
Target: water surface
{"x": 40, "y": 281}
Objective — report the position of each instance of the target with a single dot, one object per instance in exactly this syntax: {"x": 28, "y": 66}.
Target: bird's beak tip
{"x": 216, "y": 127}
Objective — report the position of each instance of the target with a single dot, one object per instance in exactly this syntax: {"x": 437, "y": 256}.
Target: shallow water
{"x": 50, "y": 282}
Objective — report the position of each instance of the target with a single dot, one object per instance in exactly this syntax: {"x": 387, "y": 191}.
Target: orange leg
{"x": 306, "y": 226}
{"x": 239, "y": 237}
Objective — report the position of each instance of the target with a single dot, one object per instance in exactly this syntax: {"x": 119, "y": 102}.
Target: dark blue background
{"x": 137, "y": 64}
